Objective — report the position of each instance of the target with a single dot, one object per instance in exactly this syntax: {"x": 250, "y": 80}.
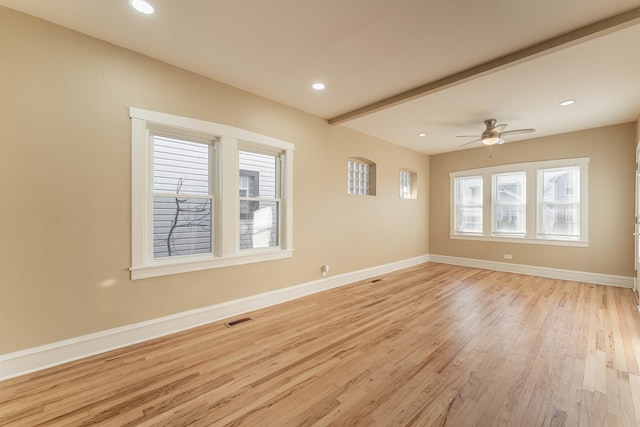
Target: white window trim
{"x": 225, "y": 247}
{"x": 530, "y": 168}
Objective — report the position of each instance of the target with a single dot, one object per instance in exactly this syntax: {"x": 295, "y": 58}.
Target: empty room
{"x": 337, "y": 213}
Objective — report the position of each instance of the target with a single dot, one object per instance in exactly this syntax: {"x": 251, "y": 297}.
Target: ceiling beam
{"x": 580, "y": 35}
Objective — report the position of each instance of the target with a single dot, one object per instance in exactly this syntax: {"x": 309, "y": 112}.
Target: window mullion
{"x": 488, "y": 208}
{"x": 228, "y": 205}
{"x": 532, "y": 202}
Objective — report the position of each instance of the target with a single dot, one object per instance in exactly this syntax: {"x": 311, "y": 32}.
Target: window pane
{"x": 257, "y": 174}
{"x": 559, "y": 209}
{"x": 469, "y": 190}
{"x": 468, "y": 215}
{"x": 180, "y": 166}
{"x": 358, "y": 178}
{"x": 469, "y": 219}
{"x": 258, "y": 224}
{"x": 181, "y": 226}
{"x": 510, "y": 203}
{"x": 510, "y": 219}
{"x": 405, "y": 185}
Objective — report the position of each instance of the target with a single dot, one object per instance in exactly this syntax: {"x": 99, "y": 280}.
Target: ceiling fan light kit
{"x": 491, "y": 140}
{"x": 493, "y": 133}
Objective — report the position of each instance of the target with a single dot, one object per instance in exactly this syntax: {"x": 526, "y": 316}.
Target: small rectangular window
{"x": 405, "y": 185}
{"x": 559, "y": 202}
{"x": 509, "y": 203}
{"x": 358, "y": 177}
{"x": 468, "y": 206}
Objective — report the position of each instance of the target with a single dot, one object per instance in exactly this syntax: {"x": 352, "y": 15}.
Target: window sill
{"x": 197, "y": 263}
{"x": 502, "y": 239}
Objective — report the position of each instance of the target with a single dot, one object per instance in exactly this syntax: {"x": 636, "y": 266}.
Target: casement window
{"x": 537, "y": 202}
{"x": 408, "y": 185}
{"x": 361, "y": 177}
{"x": 206, "y": 195}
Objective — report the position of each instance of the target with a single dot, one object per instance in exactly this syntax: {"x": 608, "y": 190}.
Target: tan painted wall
{"x": 65, "y": 174}
{"x": 611, "y": 200}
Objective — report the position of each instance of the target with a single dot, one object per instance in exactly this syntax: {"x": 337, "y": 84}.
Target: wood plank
{"x": 430, "y": 345}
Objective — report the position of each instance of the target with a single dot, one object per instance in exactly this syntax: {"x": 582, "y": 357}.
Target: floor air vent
{"x": 376, "y": 280}
{"x": 236, "y": 322}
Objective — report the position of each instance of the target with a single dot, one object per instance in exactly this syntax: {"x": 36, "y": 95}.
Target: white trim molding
{"x": 224, "y": 143}
{"x": 531, "y": 270}
{"x": 45, "y": 356}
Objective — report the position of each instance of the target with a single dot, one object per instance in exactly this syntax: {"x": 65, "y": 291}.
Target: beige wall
{"x": 65, "y": 174}
{"x": 611, "y": 200}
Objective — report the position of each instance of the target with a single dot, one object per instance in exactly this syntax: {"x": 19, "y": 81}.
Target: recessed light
{"x": 318, "y": 86}
{"x": 567, "y": 102}
{"x": 142, "y": 6}
{"x": 422, "y": 134}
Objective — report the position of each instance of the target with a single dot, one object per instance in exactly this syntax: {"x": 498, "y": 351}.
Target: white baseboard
{"x": 554, "y": 273}
{"x": 41, "y": 357}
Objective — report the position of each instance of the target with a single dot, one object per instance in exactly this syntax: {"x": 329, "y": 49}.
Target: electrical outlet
{"x": 508, "y": 256}
{"x": 325, "y": 270}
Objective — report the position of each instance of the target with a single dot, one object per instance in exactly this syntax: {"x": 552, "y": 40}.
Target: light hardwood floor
{"x": 433, "y": 345}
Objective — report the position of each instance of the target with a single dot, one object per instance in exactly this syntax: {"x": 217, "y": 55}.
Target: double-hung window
{"x": 559, "y": 202}
{"x": 206, "y": 195}
{"x": 509, "y": 203}
{"x": 259, "y": 193}
{"x": 538, "y": 202}
{"x": 468, "y": 212}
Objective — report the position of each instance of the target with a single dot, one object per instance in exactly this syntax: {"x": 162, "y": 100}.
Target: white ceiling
{"x": 368, "y": 50}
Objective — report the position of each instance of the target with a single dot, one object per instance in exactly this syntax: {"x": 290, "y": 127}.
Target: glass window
{"x": 405, "y": 185}
{"x": 181, "y": 198}
{"x": 185, "y": 217}
{"x": 468, "y": 206}
{"x": 358, "y": 177}
{"x": 559, "y": 202}
{"x": 552, "y": 212}
{"x": 509, "y": 203}
{"x": 259, "y": 200}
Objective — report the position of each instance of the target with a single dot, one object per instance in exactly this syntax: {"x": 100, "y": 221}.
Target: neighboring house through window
{"x": 468, "y": 204}
{"x": 537, "y": 202}
{"x": 194, "y": 207}
{"x": 259, "y": 199}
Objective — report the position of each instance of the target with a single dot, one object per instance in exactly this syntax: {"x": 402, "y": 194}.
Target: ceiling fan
{"x": 493, "y": 133}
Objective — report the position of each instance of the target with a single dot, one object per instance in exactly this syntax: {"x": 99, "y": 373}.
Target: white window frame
{"x": 531, "y": 171}
{"x": 225, "y": 217}
{"x": 280, "y": 160}
{"x": 454, "y": 196}
{"x": 513, "y": 205}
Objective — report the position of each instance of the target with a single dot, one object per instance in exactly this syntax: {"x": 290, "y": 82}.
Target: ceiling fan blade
{"x": 499, "y": 128}
{"x": 513, "y": 132}
{"x": 471, "y": 142}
